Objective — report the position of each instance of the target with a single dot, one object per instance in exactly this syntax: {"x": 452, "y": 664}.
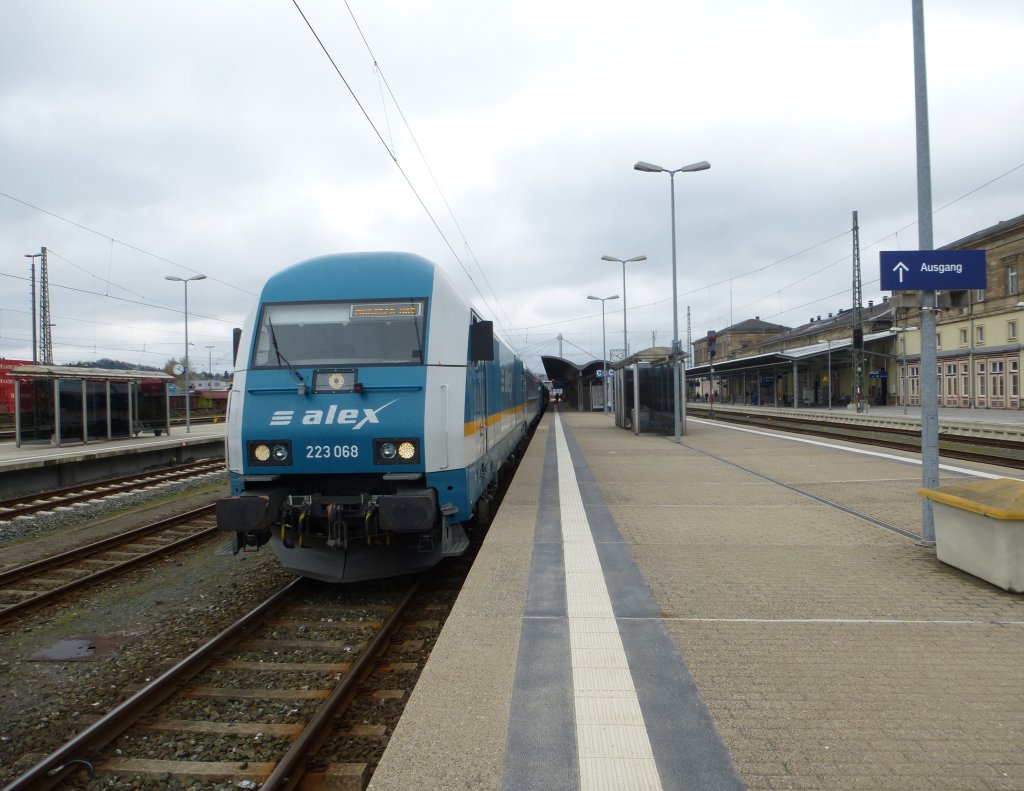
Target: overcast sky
{"x": 140, "y": 139}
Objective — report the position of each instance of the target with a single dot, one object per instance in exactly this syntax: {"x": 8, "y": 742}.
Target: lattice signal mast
{"x": 858, "y": 322}
{"x": 689, "y": 337}
{"x": 45, "y": 335}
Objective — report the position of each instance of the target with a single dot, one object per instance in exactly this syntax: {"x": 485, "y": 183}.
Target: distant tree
{"x": 112, "y": 365}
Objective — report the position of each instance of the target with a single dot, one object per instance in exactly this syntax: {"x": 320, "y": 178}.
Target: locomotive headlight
{"x": 404, "y": 450}
{"x": 269, "y": 453}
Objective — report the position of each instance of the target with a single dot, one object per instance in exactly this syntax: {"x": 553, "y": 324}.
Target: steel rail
{"x": 22, "y": 506}
{"x": 292, "y": 767}
{"x": 981, "y": 449}
{"x": 65, "y": 558}
{"x": 50, "y": 771}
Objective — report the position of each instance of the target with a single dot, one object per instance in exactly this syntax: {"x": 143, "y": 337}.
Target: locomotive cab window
{"x": 338, "y": 333}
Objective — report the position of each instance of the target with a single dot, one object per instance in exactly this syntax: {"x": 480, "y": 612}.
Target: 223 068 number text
{"x": 332, "y": 451}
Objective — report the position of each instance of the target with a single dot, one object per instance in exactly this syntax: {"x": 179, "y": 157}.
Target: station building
{"x": 978, "y": 335}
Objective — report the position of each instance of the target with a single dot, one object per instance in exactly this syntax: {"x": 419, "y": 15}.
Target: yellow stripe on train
{"x": 472, "y": 427}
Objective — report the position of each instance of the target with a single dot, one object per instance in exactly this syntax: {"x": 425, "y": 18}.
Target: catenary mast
{"x": 858, "y": 322}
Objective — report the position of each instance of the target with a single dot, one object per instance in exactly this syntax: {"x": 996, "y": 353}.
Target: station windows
{"x": 997, "y": 378}
{"x": 1011, "y": 276}
{"x": 938, "y": 340}
{"x": 1011, "y": 330}
{"x": 963, "y": 336}
{"x": 951, "y": 381}
{"x": 914, "y": 383}
{"x": 979, "y": 335}
{"x": 979, "y": 295}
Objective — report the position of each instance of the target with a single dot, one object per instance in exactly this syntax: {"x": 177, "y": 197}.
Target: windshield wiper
{"x": 280, "y": 357}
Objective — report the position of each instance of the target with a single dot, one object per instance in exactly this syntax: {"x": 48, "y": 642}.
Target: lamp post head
{"x": 184, "y": 279}
{"x": 623, "y": 260}
{"x": 647, "y": 167}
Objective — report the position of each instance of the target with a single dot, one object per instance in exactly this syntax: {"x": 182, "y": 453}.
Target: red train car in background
{"x": 7, "y": 384}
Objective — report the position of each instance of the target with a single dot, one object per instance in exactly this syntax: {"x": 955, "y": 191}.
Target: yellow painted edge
{"x": 966, "y": 504}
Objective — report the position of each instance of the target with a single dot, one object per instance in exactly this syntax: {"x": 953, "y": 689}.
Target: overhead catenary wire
{"x": 394, "y": 157}
{"x": 122, "y": 243}
{"x": 873, "y": 245}
{"x": 380, "y": 73}
{"x": 761, "y": 269}
{"x": 123, "y": 299}
{"x": 106, "y": 281}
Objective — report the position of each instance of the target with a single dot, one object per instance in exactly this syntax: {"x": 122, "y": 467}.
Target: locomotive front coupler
{"x": 315, "y": 505}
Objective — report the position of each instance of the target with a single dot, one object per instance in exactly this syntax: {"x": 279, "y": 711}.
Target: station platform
{"x": 38, "y": 466}
{"x": 645, "y": 615}
{"x": 911, "y": 414}
{"x": 1000, "y": 424}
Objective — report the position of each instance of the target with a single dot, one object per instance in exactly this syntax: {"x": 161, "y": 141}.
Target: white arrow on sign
{"x": 900, "y": 268}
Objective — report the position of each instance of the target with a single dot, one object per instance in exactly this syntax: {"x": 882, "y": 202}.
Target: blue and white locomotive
{"x": 371, "y": 409}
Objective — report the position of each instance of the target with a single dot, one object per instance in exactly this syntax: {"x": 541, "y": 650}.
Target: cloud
{"x": 220, "y": 139}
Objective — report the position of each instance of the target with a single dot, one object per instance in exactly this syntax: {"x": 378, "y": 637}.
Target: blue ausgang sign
{"x": 932, "y": 270}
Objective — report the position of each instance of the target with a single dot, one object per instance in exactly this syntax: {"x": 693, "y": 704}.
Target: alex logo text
{"x": 356, "y": 418}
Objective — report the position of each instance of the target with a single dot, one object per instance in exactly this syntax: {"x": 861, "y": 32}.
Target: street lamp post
{"x": 624, "y": 261}
{"x": 604, "y": 353}
{"x": 678, "y": 405}
{"x": 186, "y": 281}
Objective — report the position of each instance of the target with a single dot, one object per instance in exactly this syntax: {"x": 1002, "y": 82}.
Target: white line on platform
{"x": 845, "y": 621}
{"x": 611, "y": 736}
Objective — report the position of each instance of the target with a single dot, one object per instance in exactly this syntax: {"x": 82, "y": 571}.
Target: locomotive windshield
{"x": 332, "y": 333}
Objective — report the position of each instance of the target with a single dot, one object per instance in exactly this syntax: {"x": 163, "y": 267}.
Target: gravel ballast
{"x": 140, "y": 624}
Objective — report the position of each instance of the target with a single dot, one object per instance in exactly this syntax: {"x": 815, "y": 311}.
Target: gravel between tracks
{"x": 139, "y": 624}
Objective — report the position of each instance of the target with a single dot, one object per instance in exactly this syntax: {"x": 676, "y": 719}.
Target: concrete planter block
{"x": 979, "y": 528}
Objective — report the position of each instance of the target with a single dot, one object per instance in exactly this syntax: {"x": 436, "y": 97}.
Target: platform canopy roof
{"x": 655, "y": 355}
{"x": 558, "y": 369}
{"x": 94, "y": 374}
{"x": 787, "y": 356}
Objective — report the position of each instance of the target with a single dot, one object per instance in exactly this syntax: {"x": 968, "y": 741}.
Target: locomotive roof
{"x": 377, "y": 275}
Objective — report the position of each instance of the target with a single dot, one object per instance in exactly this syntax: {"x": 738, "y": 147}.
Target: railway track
{"x": 303, "y": 692}
{"x": 983, "y": 444}
{"x": 82, "y": 493}
{"x": 32, "y": 585}
{"x": 263, "y": 704}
